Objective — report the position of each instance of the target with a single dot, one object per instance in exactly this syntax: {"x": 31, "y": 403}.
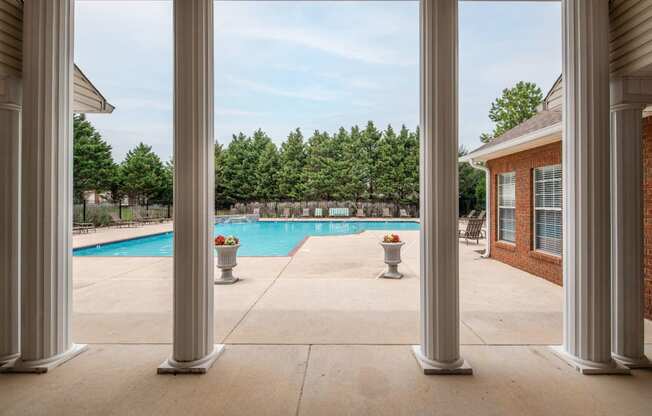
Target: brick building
{"x": 524, "y": 209}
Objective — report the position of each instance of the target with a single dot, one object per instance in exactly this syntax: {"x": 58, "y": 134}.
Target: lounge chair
{"x": 306, "y": 212}
{"x": 145, "y": 220}
{"x": 83, "y": 227}
{"x": 338, "y": 212}
{"x": 117, "y": 222}
{"x": 286, "y": 212}
{"x": 386, "y": 213}
{"x": 319, "y": 212}
{"x": 473, "y": 230}
{"x": 404, "y": 213}
{"x": 359, "y": 213}
{"x": 257, "y": 212}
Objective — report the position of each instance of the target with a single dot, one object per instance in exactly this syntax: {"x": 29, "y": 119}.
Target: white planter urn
{"x": 227, "y": 259}
{"x": 392, "y": 260}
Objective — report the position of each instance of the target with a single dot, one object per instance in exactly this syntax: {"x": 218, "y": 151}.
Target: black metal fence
{"x": 105, "y": 213}
{"x": 369, "y": 209}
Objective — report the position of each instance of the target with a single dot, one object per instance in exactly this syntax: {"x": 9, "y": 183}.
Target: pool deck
{"x": 105, "y": 235}
{"x": 319, "y": 334}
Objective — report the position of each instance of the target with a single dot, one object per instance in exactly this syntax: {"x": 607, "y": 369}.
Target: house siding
{"x": 521, "y": 253}
{"x": 647, "y": 215}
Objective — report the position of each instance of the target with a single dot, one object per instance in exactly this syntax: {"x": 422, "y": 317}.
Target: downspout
{"x": 487, "y": 199}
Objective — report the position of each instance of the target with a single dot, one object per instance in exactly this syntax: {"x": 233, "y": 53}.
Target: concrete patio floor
{"x": 319, "y": 334}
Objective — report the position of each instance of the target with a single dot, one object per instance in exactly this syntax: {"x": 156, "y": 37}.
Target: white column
{"x": 627, "y": 236}
{"x": 46, "y": 286}
{"x": 10, "y": 106}
{"x": 193, "y": 348}
{"x": 439, "y": 351}
{"x": 586, "y": 162}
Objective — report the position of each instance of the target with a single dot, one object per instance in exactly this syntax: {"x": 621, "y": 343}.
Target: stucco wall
{"x": 521, "y": 254}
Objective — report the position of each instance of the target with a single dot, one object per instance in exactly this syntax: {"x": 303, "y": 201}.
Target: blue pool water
{"x": 263, "y": 238}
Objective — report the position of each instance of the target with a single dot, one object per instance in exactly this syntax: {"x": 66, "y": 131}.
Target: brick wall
{"x": 647, "y": 198}
{"x": 521, "y": 254}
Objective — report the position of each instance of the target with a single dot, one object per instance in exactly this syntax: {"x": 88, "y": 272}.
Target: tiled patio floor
{"x": 319, "y": 334}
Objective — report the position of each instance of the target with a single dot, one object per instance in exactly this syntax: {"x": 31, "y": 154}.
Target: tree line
{"x": 350, "y": 165}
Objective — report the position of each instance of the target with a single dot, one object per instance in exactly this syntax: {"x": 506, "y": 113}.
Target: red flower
{"x": 396, "y": 238}
{"x": 219, "y": 240}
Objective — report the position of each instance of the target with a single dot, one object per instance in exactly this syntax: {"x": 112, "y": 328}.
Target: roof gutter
{"x": 487, "y": 199}
{"x": 519, "y": 144}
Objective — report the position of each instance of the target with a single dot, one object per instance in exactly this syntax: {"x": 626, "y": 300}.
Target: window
{"x": 547, "y": 209}
{"x": 507, "y": 207}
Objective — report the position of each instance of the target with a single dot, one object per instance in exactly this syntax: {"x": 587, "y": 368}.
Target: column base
{"x": 43, "y": 366}
{"x": 430, "y": 367}
{"x": 201, "y": 366}
{"x": 632, "y": 363}
{"x": 589, "y": 367}
{"x": 8, "y": 358}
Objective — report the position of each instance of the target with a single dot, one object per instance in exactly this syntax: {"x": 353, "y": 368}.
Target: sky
{"x": 313, "y": 65}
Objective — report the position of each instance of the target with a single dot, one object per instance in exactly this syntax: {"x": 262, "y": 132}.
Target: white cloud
{"x": 314, "y": 93}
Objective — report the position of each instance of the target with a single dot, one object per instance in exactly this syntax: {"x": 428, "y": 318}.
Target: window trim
{"x": 499, "y": 207}
{"x": 535, "y": 212}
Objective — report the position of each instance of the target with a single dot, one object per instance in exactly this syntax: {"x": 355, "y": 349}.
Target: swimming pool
{"x": 261, "y": 238}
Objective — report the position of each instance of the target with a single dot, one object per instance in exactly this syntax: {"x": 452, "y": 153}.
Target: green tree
{"x": 471, "y": 186}
{"x": 290, "y": 173}
{"x": 266, "y": 166}
{"x": 93, "y": 166}
{"x": 398, "y": 178}
{"x": 220, "y": 194}
{"x": 367, "y": 164}
{"x": 141, "y": 173}
{"x": 164, "y": 195}
{"x": 319, "y": 175}
{"x": 341, "y": 167}
{"x": 354, "y": 184}
{"x": 513, "y": 107}
{"x": 267, "y": 173}
{"x": 239, "y": 175}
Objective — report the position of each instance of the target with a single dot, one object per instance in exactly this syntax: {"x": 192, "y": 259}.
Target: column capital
{"x": 11, "y": 96}
{"x": 630, "y": 91}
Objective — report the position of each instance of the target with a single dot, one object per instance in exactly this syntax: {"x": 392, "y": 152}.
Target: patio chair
{"x": 386, "y": 213}
{"x": 257, "y": 212}
{"x": 338, "y": 212}
{"x": 319, "y": 212}
{"x": 471, "y": 214}
{"x": 473, "y": 230}
{"x": 117, "y": 222}
{"x": 306, "y": 212}
{"x": 359, "y": 213}
{"x": 286, "y": 212}
{"x": 482, "y": 215}
{"x": 404, "y": 213}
